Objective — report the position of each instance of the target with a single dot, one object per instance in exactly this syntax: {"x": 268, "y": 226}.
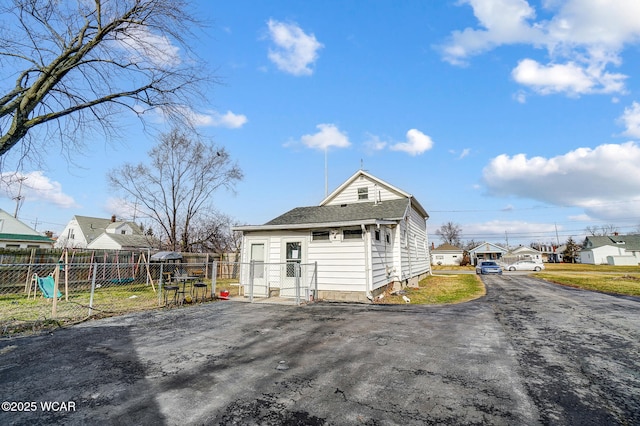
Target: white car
{"x": 525, "y": 265}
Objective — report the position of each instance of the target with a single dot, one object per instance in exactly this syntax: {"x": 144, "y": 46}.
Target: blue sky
{"x": 515, "y": 120}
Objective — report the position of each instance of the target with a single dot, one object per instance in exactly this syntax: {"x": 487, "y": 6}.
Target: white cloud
{"x": 211, "y": 118}
{"x": 295, "y": 51}
{"x": 582, "y": 38}
{"x": 374, "y": 143}
{"x": 593, "y": 179}
{"x": 502, "y": 22}
{"x": 143, "y": 45}
{"x": 631, "y": 120}
{"x": 328, "y": 136}
{"x": 228, "y": 119}
{"x": 36, "y": 187}
{"x": 498, "y": 228}
{"x": 569, "y": 78}
{"x": 416, "y": 144}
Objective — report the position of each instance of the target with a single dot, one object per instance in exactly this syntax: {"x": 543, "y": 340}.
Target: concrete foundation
{"x": 361, "y": 296}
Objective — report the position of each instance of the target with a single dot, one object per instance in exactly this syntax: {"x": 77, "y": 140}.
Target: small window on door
{"x": 257, "y": 259}
{"x": 294, "y": 257}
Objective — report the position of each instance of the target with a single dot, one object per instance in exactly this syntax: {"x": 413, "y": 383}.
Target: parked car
{"x": 488, "y": 267}
{"x": 525, "y": 265}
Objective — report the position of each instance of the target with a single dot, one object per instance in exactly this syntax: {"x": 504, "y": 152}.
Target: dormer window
{"x": 363, "y": 193}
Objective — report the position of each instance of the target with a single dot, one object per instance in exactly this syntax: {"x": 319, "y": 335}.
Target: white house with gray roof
{"x": 611, "y": 250}
{"x": 365, "y": 235}
{"x": 104, "y": 234}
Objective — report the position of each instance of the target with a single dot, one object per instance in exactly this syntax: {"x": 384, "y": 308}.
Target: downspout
{"x": 408, "y": 242}
{"x": 367, "y": 257}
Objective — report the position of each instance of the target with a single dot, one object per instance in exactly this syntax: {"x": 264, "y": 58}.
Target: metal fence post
{"x": 251, "y": 266}
{"x": 160, "y": 286}
{"x": 214, "y": 278}
{"x": 93, "y": 287}
{"x": 315, "y": 279}
{"x": 296, "y": 274}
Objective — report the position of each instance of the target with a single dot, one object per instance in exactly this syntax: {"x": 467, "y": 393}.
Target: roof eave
{"x": 300, "y": 226}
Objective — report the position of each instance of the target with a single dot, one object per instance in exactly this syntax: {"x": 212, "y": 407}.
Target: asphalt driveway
{"x": 527, "y": 353}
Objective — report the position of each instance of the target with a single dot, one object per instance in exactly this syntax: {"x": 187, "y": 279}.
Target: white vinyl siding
{"x": 600, "y": 254}
{"x": 376, "y": 192}
{"x": 382, "y": 259}
{"x": 341, "y": 265}
{"x": 414, "y": 243}
{"x": 105, "y": 243}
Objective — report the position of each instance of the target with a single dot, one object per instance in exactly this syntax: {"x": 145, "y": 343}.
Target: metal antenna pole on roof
{"x": 326, "y": 174}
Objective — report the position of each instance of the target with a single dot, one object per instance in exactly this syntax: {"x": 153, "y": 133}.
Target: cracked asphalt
{"x": 528, "y": 353}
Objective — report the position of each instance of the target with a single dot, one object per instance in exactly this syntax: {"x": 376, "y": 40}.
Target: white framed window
{"x": 319, "y": 235}
{"x": 352, "y": 234}
{"x": 363, "y": 193}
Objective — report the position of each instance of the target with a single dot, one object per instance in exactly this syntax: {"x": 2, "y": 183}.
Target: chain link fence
{"x": 297, "y": 282}
{"x": 35, "y": 295}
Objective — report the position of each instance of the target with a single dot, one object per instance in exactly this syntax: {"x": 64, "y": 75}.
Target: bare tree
{"x": 212, "y": 234}
{"x": 450, "y": 233}
{"x": 601, "y": 231}
{"x": 69, "y": 66}
{"x": 176, "y": 189}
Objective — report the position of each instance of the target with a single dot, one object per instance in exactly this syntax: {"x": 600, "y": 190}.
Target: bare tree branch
{"x": 176, "y": 189}
{"x": 85, "y": 62}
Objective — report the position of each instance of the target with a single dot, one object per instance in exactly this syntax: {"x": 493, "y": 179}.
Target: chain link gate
{"x": 297, "y": 282}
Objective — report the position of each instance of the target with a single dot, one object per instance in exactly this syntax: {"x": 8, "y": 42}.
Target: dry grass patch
{"x": 438, "y": 290}
{"x": 607, "y": 282}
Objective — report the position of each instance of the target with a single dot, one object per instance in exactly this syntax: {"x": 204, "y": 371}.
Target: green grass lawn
{"x": 623, "y": 280}
{"x": 438, "y": 290}
{"x": 17, "y": 312}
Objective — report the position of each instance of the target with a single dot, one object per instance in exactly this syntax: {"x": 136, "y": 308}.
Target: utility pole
{"x": 326, "y": 174}
{"x": 19, "y": 198}
{"x": 506, "y": 236}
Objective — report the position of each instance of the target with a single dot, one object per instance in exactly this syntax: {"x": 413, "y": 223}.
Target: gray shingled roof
{"x": 631, "y": 242}
{"x": 132, "y": 241}
{"x": 93, "y": 227}
{"x": 384, "y": 210}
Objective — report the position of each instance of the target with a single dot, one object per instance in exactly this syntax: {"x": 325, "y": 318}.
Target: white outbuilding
{"x": 364, "y": 236}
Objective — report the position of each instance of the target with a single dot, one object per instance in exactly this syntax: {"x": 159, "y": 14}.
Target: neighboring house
{"x": 14, "y": 234}
{"x": 611, "y": 250}
{"x": 523, "y": 253}
{"x": 364, "y": 235}
{"x": 557, "y": 255}
{"x": 486, "y": 251}
{"x": 113, "y": 241}
{"x": 99, "y": 233}
{"x": 446, "y": 254}
{"x": 547, "y": 251}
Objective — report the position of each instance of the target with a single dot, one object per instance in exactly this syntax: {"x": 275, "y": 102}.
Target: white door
{"x": 292, "y": 261}
{"x": 257, "y": 260}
